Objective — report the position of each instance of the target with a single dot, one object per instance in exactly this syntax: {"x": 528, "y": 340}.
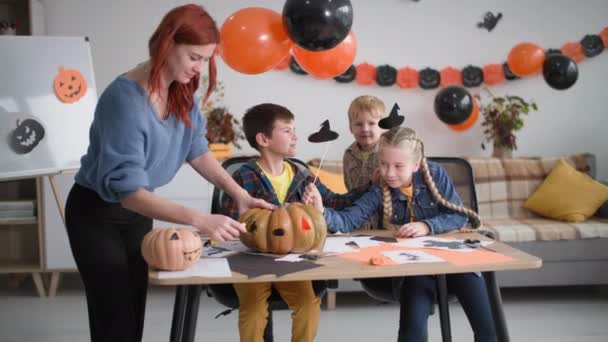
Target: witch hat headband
{"x": 324, "y": 134}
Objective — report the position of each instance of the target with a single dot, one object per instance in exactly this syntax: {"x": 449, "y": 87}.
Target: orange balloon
{"x": 468, "y": 123}
{"x": 526, "y": 59}
{"x": 327, "y": 63}
{"x": 253, "y": 40}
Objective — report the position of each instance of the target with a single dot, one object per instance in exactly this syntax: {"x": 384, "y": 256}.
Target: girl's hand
{"x": 219, "y": 227}
{"x": 313, "y": 196}
{"x": 247, "y": 202}
{"x": 414, "y": 229}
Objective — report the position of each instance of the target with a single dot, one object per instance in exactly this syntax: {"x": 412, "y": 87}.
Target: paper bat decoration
{"x": 489, "y": 21}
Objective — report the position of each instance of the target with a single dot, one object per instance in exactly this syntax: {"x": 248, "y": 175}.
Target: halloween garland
{"x": 590, "y": 45}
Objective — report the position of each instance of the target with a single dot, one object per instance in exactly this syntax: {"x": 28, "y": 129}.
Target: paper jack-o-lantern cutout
{"x": 26, "y": 136}
{"x": 69, "y": 85}
{"x": 171, "y": 249}
{"x": 295, "y": 228}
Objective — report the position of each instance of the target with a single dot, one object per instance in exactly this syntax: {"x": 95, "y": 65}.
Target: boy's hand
{"x": 313, "y": 196}
{"x": 414, "y": 229}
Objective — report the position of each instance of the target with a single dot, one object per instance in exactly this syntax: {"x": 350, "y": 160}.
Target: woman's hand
{"x": 414, "y": 229}
{"x": 313, "y": 196}
{"x": 219, "y": 227}
{"x": 246, "y": 202}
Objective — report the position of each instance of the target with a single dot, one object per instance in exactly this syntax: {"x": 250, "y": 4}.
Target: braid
{"x": 387, "y": 205}
{"x": 475, "y": 219}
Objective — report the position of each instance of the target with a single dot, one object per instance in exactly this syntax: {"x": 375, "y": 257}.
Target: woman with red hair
{"x": 146, "y": 126}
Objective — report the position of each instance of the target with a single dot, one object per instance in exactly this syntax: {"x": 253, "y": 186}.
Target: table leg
{"x": 496, "y": 304}
{"x": 179, "y": 310}
{"x": 444, "y": 313}
{"x": 194, "y": 296}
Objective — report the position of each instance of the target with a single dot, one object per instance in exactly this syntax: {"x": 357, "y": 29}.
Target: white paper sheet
{"x": 206, "y": 267}
{"x": 453, "y": 245}
{"x": 338, "y": 245}
{"x": 291, "y": 258}
{"x": 411, "y": 257}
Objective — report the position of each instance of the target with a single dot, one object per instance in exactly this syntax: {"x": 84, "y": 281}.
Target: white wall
{"x": 435, "y": 33}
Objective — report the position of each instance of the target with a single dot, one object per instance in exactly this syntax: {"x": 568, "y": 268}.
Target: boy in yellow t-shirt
{"x": 360, "y": 160}
{"x": 270, "y": 129}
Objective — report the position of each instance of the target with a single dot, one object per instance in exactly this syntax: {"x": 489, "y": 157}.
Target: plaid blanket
{"x": 503, "y": 185}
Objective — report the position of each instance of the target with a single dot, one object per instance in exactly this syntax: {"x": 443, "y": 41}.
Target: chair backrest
{"x": 461, "y": 172}
{"x": 231, "y": 165}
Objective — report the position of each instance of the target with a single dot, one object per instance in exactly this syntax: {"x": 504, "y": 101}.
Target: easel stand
{"x": 56, "y": 275}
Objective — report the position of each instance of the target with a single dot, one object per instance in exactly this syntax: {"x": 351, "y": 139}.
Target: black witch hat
{"x": 324, "y": 134}
{"x": 393, "y": 119}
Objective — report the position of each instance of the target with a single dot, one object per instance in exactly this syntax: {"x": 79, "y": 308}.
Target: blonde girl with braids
{"x": 416, "y": 197}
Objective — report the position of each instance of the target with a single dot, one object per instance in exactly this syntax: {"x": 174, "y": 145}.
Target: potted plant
{"x": 502, "y": 117}
{"x": 223, "y": 129}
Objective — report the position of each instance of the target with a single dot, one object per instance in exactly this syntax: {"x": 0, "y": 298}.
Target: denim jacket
{"x": 426, "y": 209}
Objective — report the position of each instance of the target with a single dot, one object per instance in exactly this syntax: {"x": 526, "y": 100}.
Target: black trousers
{"x": 106, "y": 243}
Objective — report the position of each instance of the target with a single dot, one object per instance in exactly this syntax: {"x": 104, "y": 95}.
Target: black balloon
{"x": 560, "y": 72}
{"x": 347, "y": 76}
{"x": 317, "y": 25}
{"x": 453, "y": 105}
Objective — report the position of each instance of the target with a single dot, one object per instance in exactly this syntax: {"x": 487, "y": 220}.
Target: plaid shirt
{"x": 251, "y": 177}
{"x": 358, "y": 173}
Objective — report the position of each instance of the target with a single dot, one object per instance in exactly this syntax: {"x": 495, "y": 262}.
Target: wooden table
{"x": 188, "y": 289}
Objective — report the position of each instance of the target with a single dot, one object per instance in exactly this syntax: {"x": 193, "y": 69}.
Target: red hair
{"x": 188, "y": 24}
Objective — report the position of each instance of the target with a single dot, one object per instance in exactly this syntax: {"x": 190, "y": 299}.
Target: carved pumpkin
{"x": 171, "y": 249}
{"x": 295, "y": 228}
{"x": 26, "y": 136}
{"x": 69, "y": 85}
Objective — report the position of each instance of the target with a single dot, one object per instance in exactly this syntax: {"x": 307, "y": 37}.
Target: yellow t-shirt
{"x": 408, "y": 192}
{"x": 282, "y": 182}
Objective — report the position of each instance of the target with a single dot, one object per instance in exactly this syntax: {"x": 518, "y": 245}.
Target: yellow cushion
{"x": 567, "y": 195}
{"x": 333, "y": 181}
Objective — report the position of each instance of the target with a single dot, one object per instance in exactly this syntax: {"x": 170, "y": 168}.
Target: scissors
{"x": 476, "y": 244}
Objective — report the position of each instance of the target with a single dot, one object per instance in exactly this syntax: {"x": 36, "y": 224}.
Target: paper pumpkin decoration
{"x": 347, "y": 76}
{"x": 592, "y": 45}
{"x": 509, "y": 75}
{"x": 493, "y": 74}
{"x": 69, "y": 85}
{"x": 295, "y": 67}
{"x": 366, "y": 74}
{"x": 472, "y": 76}
{"x": 295, "y": 228}
{"x": 324, "y": 134}
{"x": 574, "y": 50}
{"x": 407, "y": 78}
{"x": 171, "y": 249}
{"x": 386, "y": 75}
{"x": 428, "y": 78}
{"x": 26, "y": 136}
{"x": 450, "y": 76}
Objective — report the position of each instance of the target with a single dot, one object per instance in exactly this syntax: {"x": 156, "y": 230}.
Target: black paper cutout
{"x": 253, "y": 265}
{"x": 489, "y": 21}
{"x": 296, "y": 68}
{"x": 592, "y": 45}
{"x": 324, "y": 134}
{"x": 348, "y": 76}
{"x": 552, "y": 52}
{"x": 509, "y": 75}
{"x": 174, "y": 236}
{"x": 352, "y": 244}
{"x": 384, "y": 239}
{"x": 393, "y": 119}
{"x": 429, "y": 78}
{"x": 26, "y": 136}
{"x": 472, "y": 76}
{"x": 386, "y": 75}
{"x": 412, "y": 257}
{"x": 448, "y": 244}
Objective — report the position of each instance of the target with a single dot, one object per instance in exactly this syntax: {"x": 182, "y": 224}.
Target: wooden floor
{"x": 574, "y": 314}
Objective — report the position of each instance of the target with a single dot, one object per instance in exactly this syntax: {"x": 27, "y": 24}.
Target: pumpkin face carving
{"x": 26, "y": 136}
{"x": 171, "y": 249}
{"x": 69, "y": 85}
{"x": 295, "y": 228}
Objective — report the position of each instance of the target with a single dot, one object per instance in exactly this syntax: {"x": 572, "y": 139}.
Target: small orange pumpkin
{"x": 69, "y": 85}
{"x": 171, "y": 249}
{"x": 295, "y": 228}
